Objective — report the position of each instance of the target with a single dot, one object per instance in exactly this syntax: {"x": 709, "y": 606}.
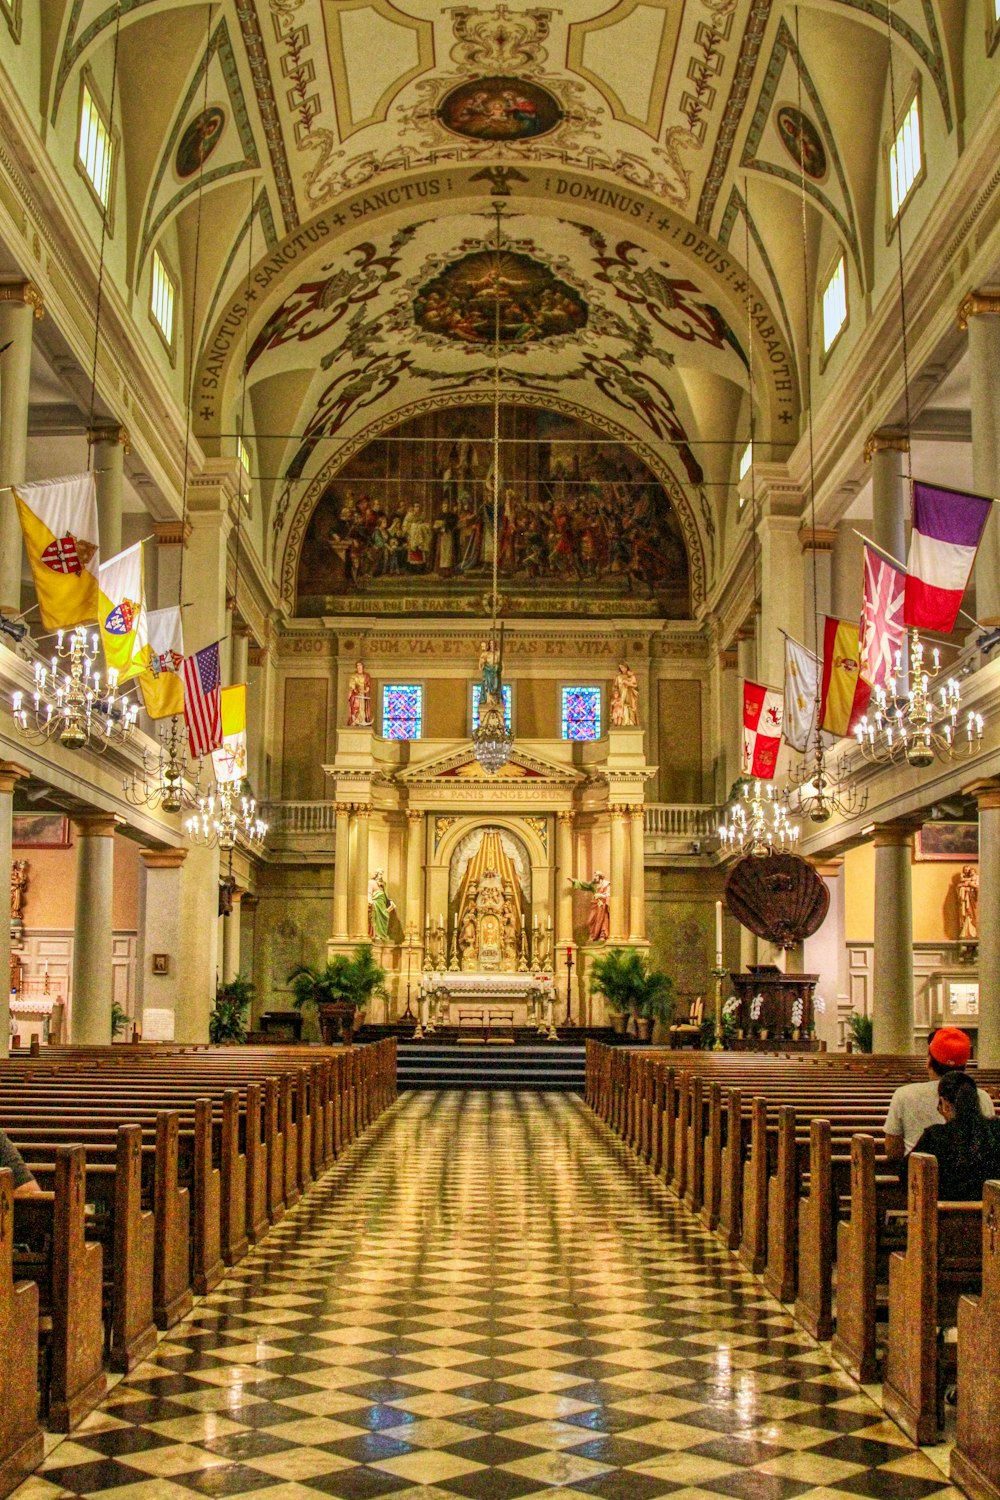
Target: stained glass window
{"x": 402, "y": 711}
{"x": 476, "y": 690}
{"x": 581, "y": 713}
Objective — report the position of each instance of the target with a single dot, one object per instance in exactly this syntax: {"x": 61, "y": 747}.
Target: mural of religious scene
{"x": 499, "y": 109}
{"x": 199, "y": 141}
{"x": 581, "y": 519}
{"x": 490, "y": 292}
{"x": 801, "y": 140}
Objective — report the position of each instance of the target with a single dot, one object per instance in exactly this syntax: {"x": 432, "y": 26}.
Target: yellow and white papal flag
{"x": 59, "y": 522}
{"x": 231, "y": 761}
{"x": 122, "y": 613}
{"x": 161, "y": 683}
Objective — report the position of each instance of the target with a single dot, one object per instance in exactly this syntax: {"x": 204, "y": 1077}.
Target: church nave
{"x": 487, "y": 1297}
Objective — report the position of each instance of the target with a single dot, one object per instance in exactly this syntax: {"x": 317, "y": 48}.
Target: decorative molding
{"x": 739, "y": 92}
{"x": 174, "y": 533}
{"x": 885, "y": 442}
{"x": 163, "y": 859}
{"x": 977, "y": 305}
{"x": 253, "y": 41}
{"x": 26, "y": 292}
{"x": 817, "y": 538}
{"x": 111, "y": 433}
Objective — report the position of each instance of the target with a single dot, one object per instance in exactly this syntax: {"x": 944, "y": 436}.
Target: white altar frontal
{"x": 491, "y": 1000}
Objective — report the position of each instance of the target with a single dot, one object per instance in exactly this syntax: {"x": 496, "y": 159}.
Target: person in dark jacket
{"x": 24, "y": 1182}
{"x": 966, "y": 1144}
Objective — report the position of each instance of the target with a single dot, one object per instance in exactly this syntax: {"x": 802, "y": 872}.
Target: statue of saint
{"x": 967, "y": 888}
{"x": 489, "y": 667}
{"x": 380, "y": 908}
{"x": 18, "y": 888}
{"x": 599, "y": 920}
{"x": 359, "y": 698}
{"x": 625, "y": 698}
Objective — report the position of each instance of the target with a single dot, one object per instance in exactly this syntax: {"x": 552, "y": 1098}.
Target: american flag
{"x": 202, "y": 701}
{"x": 882, "y": 628}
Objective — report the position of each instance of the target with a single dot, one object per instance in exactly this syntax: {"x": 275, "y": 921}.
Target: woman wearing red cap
{"x": 914, "y": 1107}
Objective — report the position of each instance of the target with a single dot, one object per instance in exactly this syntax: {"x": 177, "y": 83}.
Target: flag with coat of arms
{"x": 845, "y": 693}
{"x": 161, "y": 682}
{"x": 763, "y": 711}
{"x": 122, "y": 613}
{"x": 230, "y": 760}
{"x": 59, "y": 524}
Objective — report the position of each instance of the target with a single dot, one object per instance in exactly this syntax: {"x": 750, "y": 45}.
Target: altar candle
{"x": 440, "y": 923}
{"x": 718, "y": 934}
{"x": 548, "y": 923}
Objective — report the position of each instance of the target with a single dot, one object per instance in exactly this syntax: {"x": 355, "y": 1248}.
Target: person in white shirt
{"x": 913, "y": 1108}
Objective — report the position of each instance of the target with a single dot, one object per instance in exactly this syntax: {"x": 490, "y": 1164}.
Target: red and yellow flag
{"x": 845, "y": 692}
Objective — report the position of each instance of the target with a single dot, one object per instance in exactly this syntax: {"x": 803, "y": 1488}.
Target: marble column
{"x": 987, "y": 794}
{"x": 637, "y": 876}
{"x": 341, "y": 864}
{"x": 20, "y": 305}
{"x": 781, "y": 571}
{"x": 10, "y": 775}
{"x": 159, "y": 930}
{"x": 92, "y": 970}
{"x": 359, "y": 874}
{"x": 892, "y": 989}
{"x": 211, "y": 495}
{"x": 979, "y": 312}
{"x": 231, "y": 939}
{"x": 110, "y": 443}
{"x": 412, "y": 904}
{"x": 564, "y": 874}
{"x": 885, "y": 452}
{"x": 239, "y": 652}
{"x": 618, "y": 907}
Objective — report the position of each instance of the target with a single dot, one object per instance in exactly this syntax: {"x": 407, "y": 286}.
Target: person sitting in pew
{"x": 24, "y": 1181}
{"x": 913, "y": 1108}
{"x": 967, "y": 1144}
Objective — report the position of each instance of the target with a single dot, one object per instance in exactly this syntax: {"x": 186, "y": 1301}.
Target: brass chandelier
{"x": 71, "y": 702}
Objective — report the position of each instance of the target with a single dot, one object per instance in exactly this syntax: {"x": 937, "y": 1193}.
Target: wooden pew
{"x": 975, "y": 1458}
{"x": 872, "y": 1197}
{"x": 943, "y": 1258}
{"x": 21, "y": 1440}
{"x": 52, "y": 1250}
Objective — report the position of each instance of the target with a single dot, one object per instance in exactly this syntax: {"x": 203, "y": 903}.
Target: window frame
{"x": 913, "y": 95}
{"x": 384, "y": 687}
{"x": 506, "y": 687}
{"x": 170, "y": 344}
{"x": 11, "y": 10}
{"x": 574, "y": 685}
{"x": 839, "y": 259}
{"x": 992, "y": 26}
{"x": 88, "y": 85}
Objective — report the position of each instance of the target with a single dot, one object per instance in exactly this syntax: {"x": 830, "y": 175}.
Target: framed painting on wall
{"x": 951, "y": 841}
{"x": 40, "y": 831}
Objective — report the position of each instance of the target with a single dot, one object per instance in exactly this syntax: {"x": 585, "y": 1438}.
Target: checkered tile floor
{"x": 487, "y": 1298}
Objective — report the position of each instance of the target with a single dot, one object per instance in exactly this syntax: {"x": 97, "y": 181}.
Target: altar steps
{"x": 552, "y": 1067}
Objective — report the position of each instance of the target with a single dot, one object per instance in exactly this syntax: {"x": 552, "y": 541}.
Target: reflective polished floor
{"x": 486, "y": 1297}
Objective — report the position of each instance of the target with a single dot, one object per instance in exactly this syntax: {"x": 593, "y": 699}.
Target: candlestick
{"x": 718, "y": 934}
{"x": 548, "y": 923}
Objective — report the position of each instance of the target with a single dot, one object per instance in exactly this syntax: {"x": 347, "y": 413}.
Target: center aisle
{"x": 487, "y": 1297}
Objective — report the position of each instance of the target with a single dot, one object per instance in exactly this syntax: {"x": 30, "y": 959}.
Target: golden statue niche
{"x": 490, "y": 927}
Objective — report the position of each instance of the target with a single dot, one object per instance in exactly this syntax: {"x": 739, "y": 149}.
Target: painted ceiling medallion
{"x": 199, "y": 141}
{"x": 500, "y": 109}
{"x": 801, "y": 140}
{"x": 460, "y": 303}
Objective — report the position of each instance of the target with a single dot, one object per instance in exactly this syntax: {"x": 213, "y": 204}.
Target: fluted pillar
{"x": 885, "y": 451}
{"x": 979, "y": 312}
{"x": 564, "y": 874}
{"x": 20, "y": 305}
{"x": 618, "y": 907}
{"x": 92, "y": 968}
{"x": 987, "y": 794}
{"x": 893, "y": 956}
{"x": 413, "y": 899}
{"x": 359, "y": 873}
{"x": 231, "y": 939}
{"x": 341, "y": 858}
{"x": 110, "y": 443}
{"x": 637, "y": 875}
{"x": 10, "y": 775}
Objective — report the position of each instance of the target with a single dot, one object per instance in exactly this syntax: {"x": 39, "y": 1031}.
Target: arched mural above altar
{"x": 584, "y": 523}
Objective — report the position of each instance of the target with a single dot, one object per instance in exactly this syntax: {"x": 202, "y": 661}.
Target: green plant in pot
{"x": 334, "y": 995}
{"x": 227, "y": 1023}
{"x": 860, "y": 1029}
{"x": 631, "y": 987}
{"x": 119, "y": 1019}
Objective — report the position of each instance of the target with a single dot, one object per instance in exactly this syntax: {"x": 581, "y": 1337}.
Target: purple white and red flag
{"x": 947, "y": 526}
{"x": 882, "y": 629}
{"x": 202, "y": 700}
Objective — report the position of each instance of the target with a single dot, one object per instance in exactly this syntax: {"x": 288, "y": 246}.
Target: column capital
{"x": 414, "y": 816}
{"x": 10, "y": 774}
{"x": 883, "y": 441}
{"x": 163, "y": 859}
{"x": 342, "y": 809}
{"x": 817, "y": 538}
{"x": 977, "y": 304}
{"x": 565, "y": 815}
{"x": 26, "y": 292}
{"x": 986, "y": 793}
{"x": 111, "y": 432}
{"x": 728, "y": 660}
{"x": 96, "y": 825}
{"x": 830, "y": 868}
{"x": 257, "y": 655}
{"x": 361, "y": 809}
{"x": 896, "y": 834}
{"x": 636, "y": 810}
{"x": 175, "y": 533}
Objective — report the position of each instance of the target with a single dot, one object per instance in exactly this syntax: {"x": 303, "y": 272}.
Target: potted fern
{"x": 631, "y": 987}
{"x": 860, "y": 1031}
{"x": 336, "y": 994}
{"x": 227, "y": 1023}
